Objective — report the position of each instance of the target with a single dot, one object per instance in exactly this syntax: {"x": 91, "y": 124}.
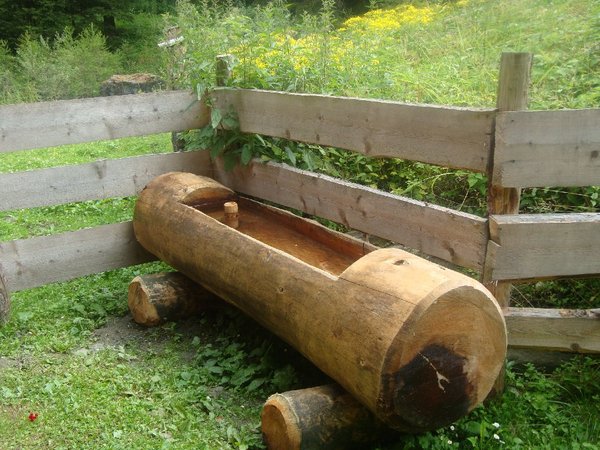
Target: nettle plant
{"x": 382, "y": 53}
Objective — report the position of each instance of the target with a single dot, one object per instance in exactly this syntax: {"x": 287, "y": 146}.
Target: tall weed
{"x": 68, "y": 67}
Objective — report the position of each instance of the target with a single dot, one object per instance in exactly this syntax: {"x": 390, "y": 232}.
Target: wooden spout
{"x": 231, "y": 215}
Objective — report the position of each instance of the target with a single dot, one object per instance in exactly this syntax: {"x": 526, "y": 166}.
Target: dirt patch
{"x": 20, "y": 362}
{"x": 123, "y": 331}
{"x": 117, "y": 332}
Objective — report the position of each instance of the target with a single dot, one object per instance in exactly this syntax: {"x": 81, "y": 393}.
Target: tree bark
{"x": 109, "y": 26}
{"x": 320, "y": 418}
{"x": 168, "y": 296}
{"x": 418, "y": 344}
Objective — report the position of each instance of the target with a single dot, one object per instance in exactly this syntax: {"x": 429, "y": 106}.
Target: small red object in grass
{"x": 32, "y": 416}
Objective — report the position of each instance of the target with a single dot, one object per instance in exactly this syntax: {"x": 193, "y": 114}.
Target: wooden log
{"x": 418, "y": 344}
{"x": 319, "y": 418}
{"x": 161, "y": 297}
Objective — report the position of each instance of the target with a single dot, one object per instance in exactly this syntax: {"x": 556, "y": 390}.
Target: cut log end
{"x": 320, "y": 418}
{"x": 436, "y": 387}
{"x": 455, "y": 350}
{"x": 280, "y": 428}
{"x": 162, "y": 297}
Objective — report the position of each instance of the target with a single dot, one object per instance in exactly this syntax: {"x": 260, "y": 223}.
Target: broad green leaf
{"x": 246, "y": 154}
{"x": 231, "y": 122}
{"x": 215, "y": 117}
{"x": 291, "y": 155}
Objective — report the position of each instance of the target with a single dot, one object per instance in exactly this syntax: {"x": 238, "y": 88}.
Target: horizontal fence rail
{"x": 574, "y": 330}
{"x": 29, "y": 263}
{"x": 531, "y": 148}
{"x": 96, "y": 180}
{"x": 450, "y": 235}
{"x": 446, "y": 136}
{"x": 46, "y": 124}
{"x": 547, "y": 148}
{"x": 530, "y": 246}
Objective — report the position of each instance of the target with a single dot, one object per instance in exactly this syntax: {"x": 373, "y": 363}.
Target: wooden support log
{"x": 418, "y": 344}
{"x": 320, "y": 418}
{"x": 162, "y": 297}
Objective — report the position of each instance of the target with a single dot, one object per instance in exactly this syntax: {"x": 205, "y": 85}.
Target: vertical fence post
{"x": 513, "y": 93}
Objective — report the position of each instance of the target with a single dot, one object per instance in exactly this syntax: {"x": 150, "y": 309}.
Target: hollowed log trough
{"x": 418, "y": 344}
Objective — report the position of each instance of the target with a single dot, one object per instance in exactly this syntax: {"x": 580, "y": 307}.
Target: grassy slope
{"x": 454, "y": 59}
{"x": 177, "y": 388}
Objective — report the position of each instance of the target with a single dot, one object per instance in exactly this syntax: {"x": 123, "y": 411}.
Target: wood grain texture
{"x": 530, "y": 246}
{"x": 97, "y": 180}
{"x": 157, "y": 298}
{"x": 513, "y": 94}
{"x": 572, "y": 330}
{"x": 320, "y": 418}
{"x": 28, "y": 263}
{"x": 450, "y": 137}
{"x": 418, "y": 344}
{"x": 47, "y": 124}
{"x": 453, "y": 236}
{"x": 513, "y": 81}
{"x": 548, "y": 148}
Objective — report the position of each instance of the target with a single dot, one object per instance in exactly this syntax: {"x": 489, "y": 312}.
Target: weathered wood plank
{"x": 453, "y": 236}
{"x": 548, "y": 148}
{"x": 513, "y": 93}
{"x": 100, "y": 179}
{"x": 530, "y": 246}
{"x": 46, "y": 124}
{"x": 28, "y": 263}
{"x": 573, "y": 330}
{"x": 450, "y": 137}
{"x": 546, "y": 359}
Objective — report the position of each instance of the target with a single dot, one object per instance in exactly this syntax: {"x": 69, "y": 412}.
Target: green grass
{"x": 23, "y": 223}
{"x": 201, "y": 383}
{"x": 78, "y": 154}
{"x": 96, "y": 380}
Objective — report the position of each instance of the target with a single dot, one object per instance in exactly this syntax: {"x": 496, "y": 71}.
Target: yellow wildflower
{"x": 390, "y": 19}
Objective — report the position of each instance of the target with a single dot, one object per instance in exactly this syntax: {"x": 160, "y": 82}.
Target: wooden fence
{"x": 514, "y": 148}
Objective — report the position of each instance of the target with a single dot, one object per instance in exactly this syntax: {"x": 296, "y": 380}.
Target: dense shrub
{"x": 67, "y": 67}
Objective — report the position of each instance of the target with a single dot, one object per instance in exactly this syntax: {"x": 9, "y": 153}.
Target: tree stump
{"x": 418, "y": 344}
{"x": 167, "y": 296}
{"x": 130, "y": 84}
